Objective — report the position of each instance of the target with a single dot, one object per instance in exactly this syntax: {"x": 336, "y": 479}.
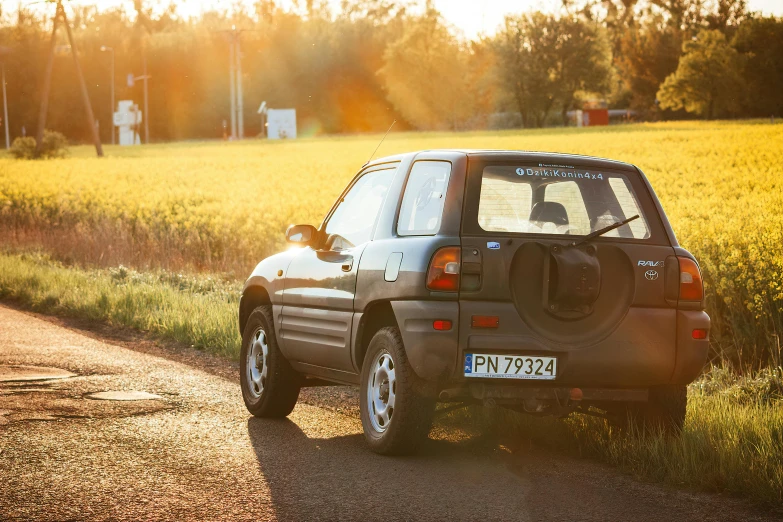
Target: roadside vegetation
{"x": 733, "y": 437}
{"x": 219, "y": 208}
{"x": 199, "y": 311}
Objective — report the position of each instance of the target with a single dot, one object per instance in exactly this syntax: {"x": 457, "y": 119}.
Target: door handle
{"x": 347, "y": 264}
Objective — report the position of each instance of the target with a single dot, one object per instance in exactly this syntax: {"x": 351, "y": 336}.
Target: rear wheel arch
{"x": 377, "y": 315}
{"x": 253, "y": 297}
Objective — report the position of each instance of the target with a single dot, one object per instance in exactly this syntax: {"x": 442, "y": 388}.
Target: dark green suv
{"x": 545, "y": 283}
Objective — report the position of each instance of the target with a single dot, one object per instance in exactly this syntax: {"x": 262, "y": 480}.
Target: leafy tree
{"x": 525, "y": 49}
{"x": 707, "y": 80}
{"x": 426, "y": 73}
{"x": 583, "y": 61}
{"x": 544, "y": 61}
{"x": 647, "y": 55}
{"x": 760, "y": 40}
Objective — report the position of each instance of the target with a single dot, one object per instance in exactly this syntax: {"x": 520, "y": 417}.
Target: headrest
{"x": 549, "y": 212}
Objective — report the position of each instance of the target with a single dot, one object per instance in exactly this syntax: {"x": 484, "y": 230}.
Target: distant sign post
{"x": 131, "y": 82}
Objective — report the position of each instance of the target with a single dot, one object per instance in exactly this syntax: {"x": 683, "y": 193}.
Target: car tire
{"x": 270, "y": 387}
{"x": 395, "y": 417}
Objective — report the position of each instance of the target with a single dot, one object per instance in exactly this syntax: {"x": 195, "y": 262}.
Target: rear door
{"x": 529, "y": 289}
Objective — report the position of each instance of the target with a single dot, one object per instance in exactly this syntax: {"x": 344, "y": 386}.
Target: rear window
{"x": 552, "y": 200}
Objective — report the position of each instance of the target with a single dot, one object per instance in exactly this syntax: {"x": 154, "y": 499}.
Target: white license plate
{"x": 510, "y": 366}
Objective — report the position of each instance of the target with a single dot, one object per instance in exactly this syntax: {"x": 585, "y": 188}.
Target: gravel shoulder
{"x": 196, "y": 454}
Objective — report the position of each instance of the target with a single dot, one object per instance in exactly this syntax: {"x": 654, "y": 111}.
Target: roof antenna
{"x": 381, "y": 143}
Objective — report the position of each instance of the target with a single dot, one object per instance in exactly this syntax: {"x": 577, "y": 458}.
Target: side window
{"x": 425, "y": 194}
{"x": 353, "y": 220}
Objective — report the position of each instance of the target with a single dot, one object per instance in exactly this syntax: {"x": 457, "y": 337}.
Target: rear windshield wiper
{"x": 604, "y": 230}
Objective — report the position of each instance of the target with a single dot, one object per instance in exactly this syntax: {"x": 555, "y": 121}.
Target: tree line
{"x": 374, "y": 61}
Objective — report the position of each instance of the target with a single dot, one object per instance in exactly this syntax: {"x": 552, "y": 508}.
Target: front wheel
{"x": 395, "y": 418}
{"x": 270, "y": 387}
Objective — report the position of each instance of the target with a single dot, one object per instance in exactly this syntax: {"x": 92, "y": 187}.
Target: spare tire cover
{"x": 615, "y": 296}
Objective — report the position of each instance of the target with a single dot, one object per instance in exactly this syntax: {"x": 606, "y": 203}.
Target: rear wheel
{"x": 270, "y": 387}
{"x": 395, "y": 418}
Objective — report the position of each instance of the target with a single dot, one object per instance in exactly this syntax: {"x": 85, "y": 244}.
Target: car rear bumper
{"x": 651, "y": 347}
{"x": 432, "y": 354}
{"x": 691, "y": 353}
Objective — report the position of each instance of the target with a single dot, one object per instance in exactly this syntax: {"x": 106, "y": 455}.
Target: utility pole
{"x": 5, "y": 113}
{"x": 47, "y": 83}
{"x": 60, "y": 14}
{"x": 232, "y": 84}
{"x": 240, "y": 97}
{"x": 111, "y": 113}
{"x": 235, "y": 83}
{"x": 146, "y": 102}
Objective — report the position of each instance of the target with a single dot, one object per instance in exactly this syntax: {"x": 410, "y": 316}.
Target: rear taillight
{"x": 691, "y": 288}
{"x": 443, "y": 274}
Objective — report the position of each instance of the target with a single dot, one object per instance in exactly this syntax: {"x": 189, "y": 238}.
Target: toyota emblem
{"x": 651, "y": 275}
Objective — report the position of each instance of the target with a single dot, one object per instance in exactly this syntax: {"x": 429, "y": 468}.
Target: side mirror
{"x": 301, "y": 234}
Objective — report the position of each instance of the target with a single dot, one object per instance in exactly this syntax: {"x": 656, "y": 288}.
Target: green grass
{"x": 728, "y": 445}
{"x": 197, "y": 310}
{"x": 733, "y": 438}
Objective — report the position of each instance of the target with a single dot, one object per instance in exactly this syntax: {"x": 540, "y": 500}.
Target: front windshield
{"x": 557, "y": 200}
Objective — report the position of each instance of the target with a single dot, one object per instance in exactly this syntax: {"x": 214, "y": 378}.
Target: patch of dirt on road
{"x": 42, "y": 401}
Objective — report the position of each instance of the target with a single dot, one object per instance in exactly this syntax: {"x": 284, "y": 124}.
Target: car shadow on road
{"x": 339, "y": 478}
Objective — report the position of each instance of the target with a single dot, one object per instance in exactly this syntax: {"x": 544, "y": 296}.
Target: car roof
{"x": 513, "y": 155}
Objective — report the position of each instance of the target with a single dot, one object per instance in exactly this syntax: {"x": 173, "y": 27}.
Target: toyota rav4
{"x": 545, "y": 283}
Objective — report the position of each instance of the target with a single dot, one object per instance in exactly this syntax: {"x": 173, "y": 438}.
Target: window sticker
{"x": 559, "y": 173}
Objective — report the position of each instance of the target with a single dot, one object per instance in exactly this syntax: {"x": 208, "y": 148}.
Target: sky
{"x": 471, "y": 17}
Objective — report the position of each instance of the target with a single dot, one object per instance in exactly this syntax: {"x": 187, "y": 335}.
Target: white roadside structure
{"x": 127, "y": 119}
{"x": 281, "y": 124}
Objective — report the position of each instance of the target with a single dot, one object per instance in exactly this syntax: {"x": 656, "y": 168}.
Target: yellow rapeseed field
{"x": 221, "y": 207}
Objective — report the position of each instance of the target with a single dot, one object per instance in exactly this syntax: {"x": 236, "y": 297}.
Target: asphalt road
{"x": 196, "y": 454}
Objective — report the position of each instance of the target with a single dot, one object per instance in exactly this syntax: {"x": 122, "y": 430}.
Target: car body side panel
{"x": 691, "y": 353}
{"x": 269, "y": 274}
{"x": 431, "y": 353}
{"x": 416, "y": 251}
{"x": 316, "y": 336}
{"x": 317, "y": 309}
